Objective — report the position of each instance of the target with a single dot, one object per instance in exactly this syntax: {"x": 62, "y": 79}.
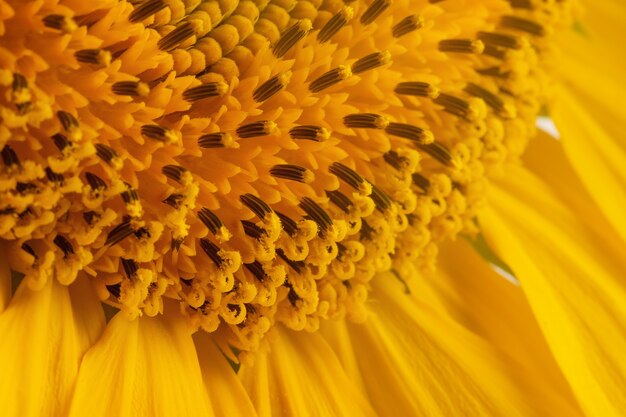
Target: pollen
{"x": 257, "y": 163}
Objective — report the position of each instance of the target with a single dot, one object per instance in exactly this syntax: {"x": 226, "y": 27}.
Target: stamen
{"x": 367, "y": 232}
{"x": 212, "y": 250}
{"x": 407, "y": 131}
{"x": 380, "y": 198}
{"x": 252, "y": 230}
{"x": 365, "y": 121}
{"x": 292, "y": 296}
{"x": 461, "y": 46}
{"x": 19, "y": 82}
{"x": 334, "y": 24}
{"x": 499, "y": 39}
{"x": 119, "y": 233}
{"x": 439, "y": 152}
{"x": 106, "y": 153}
{"x": 9, "y": 157}
{"x": 90, "y": 217}
{"x": 26, "y": 188}
{"x": 407, "y": 25}
{"x": 521, "y": 4}
{"x": 491, "y": 99}
{"x": 330, "y": 78}
{"x": 418, "y": 89}
{"x": 130, "y": 195}
{"x": 145, "y": 10}
{"x": 93, "y": 56}
{"x": 64, "y": 244}
{"x": 176, "y": 37}
{"x": 7, "y": 210}
{"x": 174, "y": 200}
{"x": 395, "y": 160}
{"x": 347, "y": 174}
{"x": 60, "y": 22}
{"x": 292, "y": 172}
{"x": 297, "y": 266}
{"x": 61, "y": 141}
{"x": 217, "y": 140}
{"x": 210, "y": 220}
{"x": 523, "y": 25}
{"x": 453, "y": 105}
{"x": 256, "y": 129}
{"x": 68, "y": 121}
{"x": 257, "y": 270}
{"x": 271, "y": 87}
{"x": 155, "y": 132}
{"x": 420, "y": 181}
{"x": 130, "y": 88}
{"x": 174, "y": 172}
{"x": 290, "y": 36}
{"x": 205, "y": 91}
{"x": 289, "y": 226}
{"x": 95, "y": 182}
{"x": 374, "y": 10}
{"x": 309, "y": 132}
{"x": 495, "y": 71}
{"x": 371, "y": 61}
{"x": 340, "y": 200}
{"x": 29, "y": 250}
{"x": 53, "y": 176}
{"x": 130, "y": 267}
{"x": 115, "y": 290}
{"x": 317, "y": 214}
{"x": 256, "y": 205}
{"x": 494, "y": 51}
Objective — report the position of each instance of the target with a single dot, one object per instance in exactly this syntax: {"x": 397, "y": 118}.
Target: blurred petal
{"x": 572, "y": 284}
{"x": 50, "y": 330}
{"x": 297, "y": 374}
{"x": 145, "y": 367}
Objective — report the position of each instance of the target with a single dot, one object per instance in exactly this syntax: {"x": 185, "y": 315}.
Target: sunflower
{"x": 312, "y": 208}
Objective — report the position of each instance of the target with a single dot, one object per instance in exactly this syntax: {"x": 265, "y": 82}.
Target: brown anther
{"x": 210, "y": 220}
{"x": 19, "y": 82}
{"x": 346, "y": 174}
{"x": 256, "y": 205}
{"x": 438, "y": 152}
{"x": 380, "y": 198}
{"x": 492, "y": 100}
{"x": 289, "y": 225}
{"x": 501, "y": 40}
{"x": 53, "y": 176}
{"x": 182, "y": 32}
{"x": 365, "y": 121}
{"x": 62, "y": 243}
{"x": 174, "y": 200}
{"x": 256, "y": 269}
{"x": 524, "y": 25}
{"x": 93, "y": 56}
{"x": 216, "y": 140}
{"x": 309, "y": 132}
{"x": 330, "y": 78}
{"x": 420, "y": 181}
{"x": 317, "y": 214}
{"x": 106, "y": 153}
{"x": 68, "y": 121}
{"x": 91, "y": 216}
{"x": 252, "y": 230}
{"x": 271, "y": 87}
{"x": 371, "y": 61}
{"x": 203, "y": 91}
{"x": 156, "y": 132}
{"x": 395, "y": 160}
{"x": 115, "y": 290}
{"x": 61, "y": 141}
{"x": 256, "y": 129}
{"x": 292, "y": 172}
{"x": 9, "y": 157}
{"x": 340, "y": 200}
{"x": 130, "y": 267}
{"x": 130, "y": 195}
{"x": 174, "y": 172}
{"x": 334, "y": 24}
{"x": 407, "y": 25}
{"x": 374, "y": 10}
{"x": 461, "y": 46}
{"x": 130, "y": 88}
{"x": 290, "y": 36}
{"x": 60, "y": 22}
{"x": 119, "y": 233}
{"x": 453, "y": 105}
{"x": 407, "y": 131}
{"x": 416, "y": 88}
{"x": 145, "y": 10}
{"x": 212, "y": 250}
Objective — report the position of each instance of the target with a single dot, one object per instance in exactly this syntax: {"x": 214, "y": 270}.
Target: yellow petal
{"x": 496, "y": 309}
{"x": 227, "y": 395}
{"x": 297, "y": 374}
{"x": 588, "y": 111}
{"x": 49, "y": 329}
{"x": 145, "y": 367}
{"x": 572, "y": 280}
{"x": 413, "y": 361}
{"x": 5, "y": 281}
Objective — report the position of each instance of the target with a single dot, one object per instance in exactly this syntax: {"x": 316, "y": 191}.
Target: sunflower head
{"x": 257, "y": 162}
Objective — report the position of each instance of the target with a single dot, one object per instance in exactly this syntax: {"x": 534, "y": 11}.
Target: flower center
{"x": 259, "y": 162}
